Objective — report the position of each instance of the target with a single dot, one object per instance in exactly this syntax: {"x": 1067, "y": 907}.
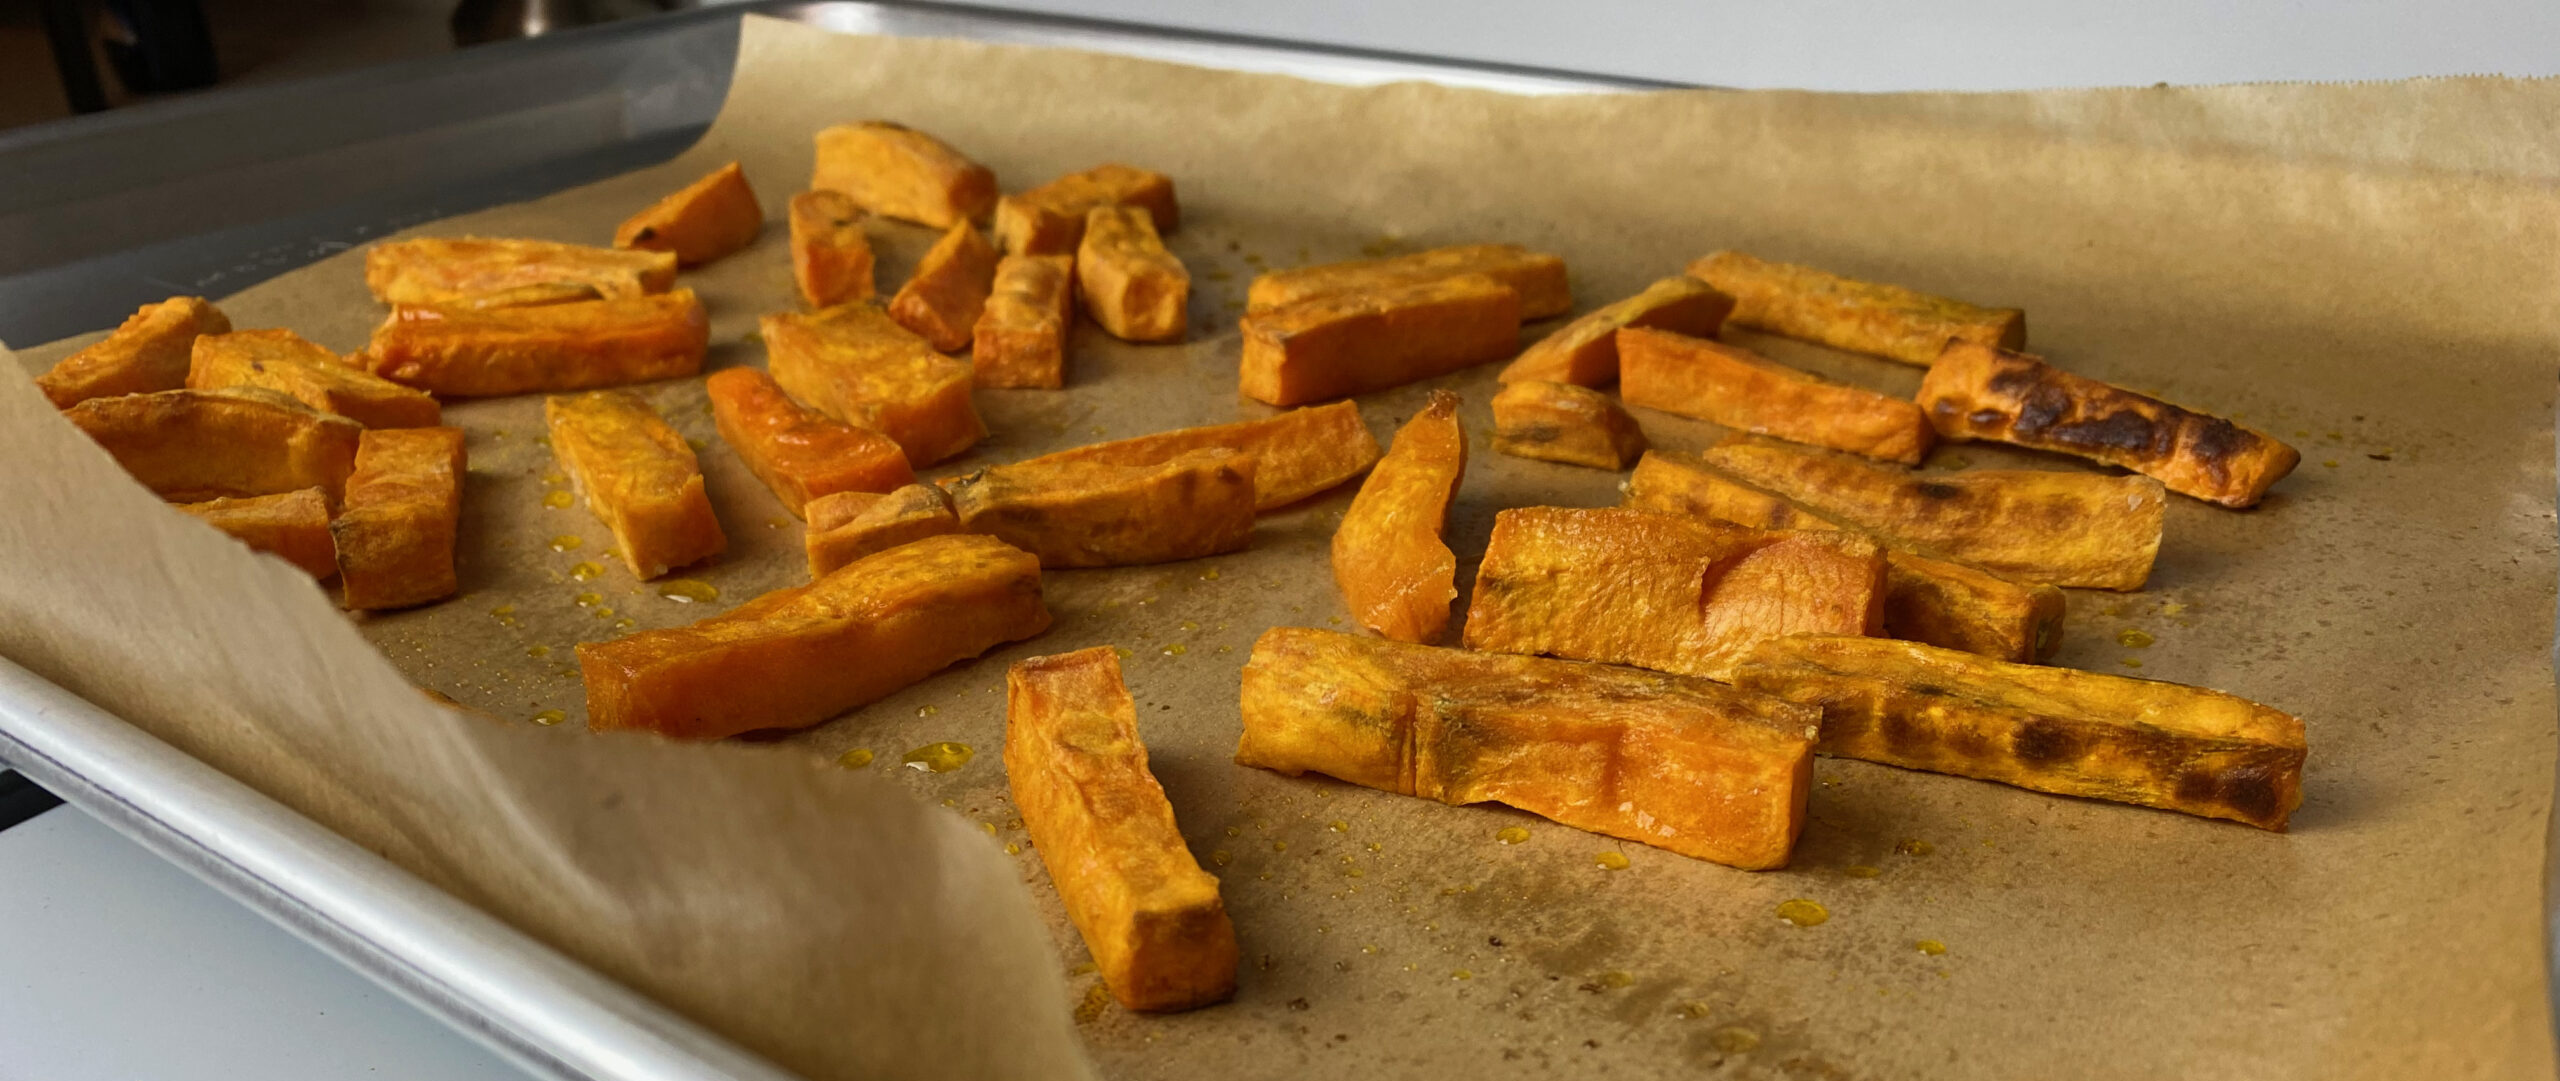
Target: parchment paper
{"x": 2367, "y": 271}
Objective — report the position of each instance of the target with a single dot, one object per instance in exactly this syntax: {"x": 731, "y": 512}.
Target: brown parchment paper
{"x": 2367, "y": 271}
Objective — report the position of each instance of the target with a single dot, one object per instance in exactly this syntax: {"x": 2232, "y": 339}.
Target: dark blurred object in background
{"x": 158, "y": 46}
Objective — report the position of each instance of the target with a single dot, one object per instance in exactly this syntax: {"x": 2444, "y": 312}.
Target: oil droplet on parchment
{"x": 550, "y": 717}
{"x": 1613, "y": 860}
{"x": 1803, "y": 913}
{"x": 940, "y": 757}
{"x": 855, "y": 758}
{"x": 1511, "y": 835}
{"x": 688, "y": 591}
{"x": 1930, "y": 946}
{"x": 2134, "y": 638}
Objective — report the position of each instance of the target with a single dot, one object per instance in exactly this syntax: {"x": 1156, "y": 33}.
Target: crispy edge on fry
{"x": 797, "y": 452}
{"x": 1198, "y": 503}
{"x": 637, "y": 476}
{"x": 700, "y": 222}
{"x": 1132, "y": 285}
{"x": 286, "y": 362}
{"x": 941, "y": 301}
{"x": 847, "y": 526}
{"x": 1389, "y": 558}
{"x": 1585, "y": 352}
{"x": 469, "y": 271}
{"x": 1562, "y": 422}
{"x": 293, "y": 526}
{"x": 1049, "y": 219}
{"x": 189, "y": 446}
{"x": 857, "y": 365}
{"x": 1341, "y": 344}
{"x": 898, "y": 172}
{"x": 1537, "y": 277}
{"x": 1844, "y": 313}
{"x": 395, "y": 535}
{"x": 1296, "y": 454}
{"x": 830, "y": 256}
{"x": 1021, "y": 337}
{"x": 478, "y": 353}
{"x": 1740, "y": 389}
{"x": 148, "y": 352}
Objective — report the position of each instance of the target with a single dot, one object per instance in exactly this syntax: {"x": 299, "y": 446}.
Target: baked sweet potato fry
{"x": 490, "y": 352}
{"x": 1021, "y": 337}
{"x": 795, "y": 657}
{"x": 638, "y": 477}
{"x": 1296, "y": 454}
{"x": 1538, "y": 277}
{"x": 1049, "y": 219}
{"x": 830, "y": 256}
{"x": 292, "y": 525}
{"x": 798, "y": 453}
{"x": 1585, "y": 352}
{"x": 395, "y": 535}
{"x": 1561, "y": 422}
{"x": 702, "y": 221}
{"x": 1195, "y": 504}
{"x": 942, "y": 300}
{"x": 2054, "y": 730}
{"x": 1342, "y": 344}
{"x": 1678, "y": 763}
{"x": 148, "y": 352}
{"x": 898, "y": 172}
{"x": 1743, "y": 390}
{"x": 2031, "y": 525}
{"x": 1078, "y": 774}
{"x": 1669, "y": 593}
{"x": 847, "y": 526}
{"x": 470, "y": 271}
{"x": 281, "y": 360}
{"x": 1389, "y": 559}
{"x": 857, "y": 365}
{"x": 1844, "y": 313}
{"x": 193, "y": 445}
{"x": 1131, "y": 284}
{"x": 1985, "y": 392}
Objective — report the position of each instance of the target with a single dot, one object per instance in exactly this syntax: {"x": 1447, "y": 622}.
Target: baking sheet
{"x": 2364, "y": 270}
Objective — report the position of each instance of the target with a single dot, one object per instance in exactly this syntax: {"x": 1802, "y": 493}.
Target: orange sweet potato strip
{"x": 780, "y": 661}
{"x": 469, "y": 271}
{"x": 292, "y": 525}
{"x": 1585, "y": 352}
{"x": 795, "y": 451}
{"x": 477, "y": 353}
{"x": 1674, "y": 762}
{"x": 1844, "y": 313}
{"x": 1021, "y": 337}
{"x": 1538, "y": 277}
{"x": 898, "y": 172}
{"x": 857, "y": 365}
{"x": 830, "y": 256}
{"x": 941, "y": 302}
{"x": 1049, "y": 219}
{"x": 1296, "y": 454}
{"x": 1131, "y": 284}
{"x": 1561, "y": 422}
{"x": 281, "y": 360}
{"x": 1105, "y": 832}
{"x": 148, "y": 353}
{"x": 193, "y": 445}
{"x": 703, "y": 221}
{"x": 638, "y": 477}
{"x": 1389, "y": 560}
{"x": 1985, "y": 392}
{"x": 1739, "y": 389}
{"x": 1341, "y": 344}
{"x": 1194, "y": 504}
{"x": 847, "y": 526}
{"x": 395, "y": 536}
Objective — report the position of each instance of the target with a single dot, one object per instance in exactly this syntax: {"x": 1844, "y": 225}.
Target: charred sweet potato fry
{"x": 468, "y": 271}
{"x": 1078, "y": 774}
{"x": 1843, "y": 313}
{"x": 1194, "y": 504}
{"x": 281, "y": 360}
{"x": 847, "y": 526}
{"x": 1296, "y": 454}
{"x": 1342, "y": 344}
{"x": 476, "y": 353}
{"x": 1131, "y": 284}
{"x": 798, "y": 453}
{"x": 941, "y": 302}
{"x": 1561, "y": 422}
{"x": 1389, "y": 560}
{"x": 703, "y": 221}
{"x": 193, "y": 445}
{"x": 1049, "y": 219}
{"x": 1585, "y": 352}
{"x": 1536, "y": 276}
{"x": 830, "y": 256}
{"x": 148, "y": 353}
{"x": 1739, "y": 389}
{"x": 898, "y": 172}
{"x": 395, "y": 535}
{"x": 1674, "y": 762}
{"x": 1021, "y": 337}
{"x": 781, "y": 660}
{"x": 2055, "y": 730}
{"x": 1985, "y": 392}
{"x": 293, "y": 525}
{"x": 1669, "y": 593}
{"x": 638, "y": 477}
{"x": 857, "y": 365}
{"x": 2031, "y": 525}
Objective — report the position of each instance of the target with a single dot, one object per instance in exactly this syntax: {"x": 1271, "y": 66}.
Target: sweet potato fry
{"x": 798, "y": 453}
{"x": 2055, "y": 730}
{"x": 1021, "y": 338}
{"x": 898, "y": 172}
{"x": 292, "y": 525}
{"x": 638, "y": 477}
{"x": 1669, "y": 593}
{"x": 1296, "y": 454}
{"x": 1342, "y": 344}
{"x": 1740, "y": 389}
{"x": 281, "y": 360}
{"x": 469, "y": 271}
{"x": 1985, "y": 392}
{"x": 1389, "y": 560}
{"x": 193, "y": 445}
{"x": 1194, "y": 504}
{"x": 1561, "y": 422}
{"x": 857, "y": 365}
{"x": 847, "y": 526}
{"x": 148, "y": 353}
{"x": 1131, "y": 284}
{"x": 781, "y": 660}
{"x": 830, "y": 256}
{"x": 1585, "y": 352}
{"x": 1536, "y": 276}
{"x": 1049, "y": 219}
{"x": 395, "y": 536}
{"x": 703, "y": 221}
{"x": 1078, "y": 774}
{"x": 943, "y": 299}
{"x": 476, "y": 353}
{"x": 1843, "y": 313}
{"x": 1674, "y": 762}
{"x": 2031, "y": 525}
